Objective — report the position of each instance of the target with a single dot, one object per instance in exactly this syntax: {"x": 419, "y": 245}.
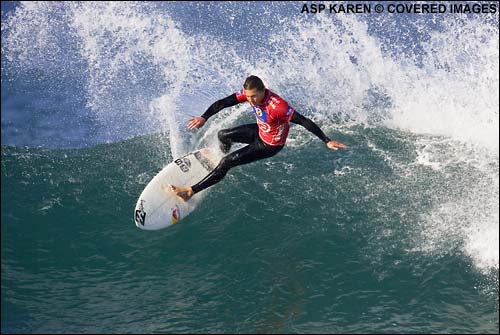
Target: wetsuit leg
{"x": 247, "y": 133}
{"x": 250, "y": 153}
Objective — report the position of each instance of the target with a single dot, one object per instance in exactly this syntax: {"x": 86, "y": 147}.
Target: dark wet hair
{"x": 254, "y": 83}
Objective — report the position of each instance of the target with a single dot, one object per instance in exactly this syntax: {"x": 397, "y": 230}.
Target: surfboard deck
{"x": 158, "y": 207}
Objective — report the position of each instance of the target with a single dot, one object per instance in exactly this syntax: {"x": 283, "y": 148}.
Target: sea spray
{"x": 434, "y": 78}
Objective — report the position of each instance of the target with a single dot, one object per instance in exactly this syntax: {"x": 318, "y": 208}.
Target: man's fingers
{"x": 334, "y": 145}
{"x": 196, "y": 122}
{"x": 340, "y": 145}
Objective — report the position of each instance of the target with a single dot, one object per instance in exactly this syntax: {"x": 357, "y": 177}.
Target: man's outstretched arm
{"x": 216, "y": 107}
{"x": 313, "y": 128}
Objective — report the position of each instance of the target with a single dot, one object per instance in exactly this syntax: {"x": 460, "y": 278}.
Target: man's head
{"x": 254, "y": 90}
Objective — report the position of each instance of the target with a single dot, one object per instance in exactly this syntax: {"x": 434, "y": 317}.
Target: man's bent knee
{"x": 225, "y": 143}
{"x": 222, "y": 135}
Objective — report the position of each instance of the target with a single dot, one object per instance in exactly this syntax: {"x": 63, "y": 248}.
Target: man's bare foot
{"x": 184, "y": 193}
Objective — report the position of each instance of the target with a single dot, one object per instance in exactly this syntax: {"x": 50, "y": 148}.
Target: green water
{"x": 293, "y": 244}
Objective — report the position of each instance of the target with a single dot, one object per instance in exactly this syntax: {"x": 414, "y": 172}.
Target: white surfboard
{"x": 157, "y": 206}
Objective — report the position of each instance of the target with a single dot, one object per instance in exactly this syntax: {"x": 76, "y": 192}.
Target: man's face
{"x": 255, "y": 97}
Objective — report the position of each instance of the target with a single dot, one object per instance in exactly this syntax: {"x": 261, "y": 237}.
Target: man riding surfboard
{"x": 265, "y": 138}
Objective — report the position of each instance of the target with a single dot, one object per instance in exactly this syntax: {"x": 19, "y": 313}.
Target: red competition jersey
{"x": 273, "y": 116}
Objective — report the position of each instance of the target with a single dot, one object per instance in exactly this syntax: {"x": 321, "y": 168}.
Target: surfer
{"x": 265, "y": 138}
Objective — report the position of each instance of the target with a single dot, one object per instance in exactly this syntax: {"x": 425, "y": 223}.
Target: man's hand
{"x": 334, "y": 145}
{"x": 196, "y": 122}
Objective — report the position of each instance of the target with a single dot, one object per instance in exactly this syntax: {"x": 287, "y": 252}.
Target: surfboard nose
{"x": 158, "y": 206}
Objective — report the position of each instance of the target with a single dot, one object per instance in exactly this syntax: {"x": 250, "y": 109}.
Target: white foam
{"x": 451, "y": 95}
{"x": 140, "y": 65}
{"x": 481, "y": 242}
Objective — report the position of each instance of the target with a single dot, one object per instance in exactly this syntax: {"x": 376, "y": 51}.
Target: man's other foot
{"x": 184, "y": 193}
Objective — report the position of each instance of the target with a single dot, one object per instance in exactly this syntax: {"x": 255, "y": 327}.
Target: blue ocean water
{"x": 396, "y": 234}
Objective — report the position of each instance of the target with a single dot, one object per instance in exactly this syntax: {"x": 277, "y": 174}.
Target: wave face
{"x": 399, "y": 233}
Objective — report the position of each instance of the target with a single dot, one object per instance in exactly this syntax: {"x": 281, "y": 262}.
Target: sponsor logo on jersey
{"x": 262, "y": 115}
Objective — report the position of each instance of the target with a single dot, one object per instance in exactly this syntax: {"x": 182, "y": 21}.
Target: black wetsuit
{"x": 249, "y": 134}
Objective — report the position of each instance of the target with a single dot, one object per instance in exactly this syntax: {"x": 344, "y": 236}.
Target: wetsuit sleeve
{"x": 309, "y": 125}
{"x": 220, "y": 105}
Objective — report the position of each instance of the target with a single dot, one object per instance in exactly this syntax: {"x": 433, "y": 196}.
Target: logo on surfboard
{"x": 176, "y": 214}
{"x": 140, "y": 215}
{"x": 184, "y": 164}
